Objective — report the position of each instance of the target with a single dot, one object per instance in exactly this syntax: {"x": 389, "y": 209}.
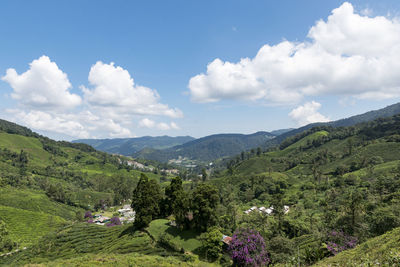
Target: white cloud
{"x": 163, "y": 126}
{"x": 308, "y": 113}
{"x": 174, "y": 126}
{"x": 346, "y": 55}
{"x": 114, "y": 89}
{"x": 43, "y": 86}
{"x": 40, "y": 120}
{"x": 147, "y": 123}
{"x": 110, "y": 109}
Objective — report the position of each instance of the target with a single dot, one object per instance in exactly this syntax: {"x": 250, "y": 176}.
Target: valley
{"x": 322, "y": 180}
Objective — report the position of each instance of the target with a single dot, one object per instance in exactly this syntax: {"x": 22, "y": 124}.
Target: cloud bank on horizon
{"x": 349, "y": 54}
{"x": 109, "y": 109}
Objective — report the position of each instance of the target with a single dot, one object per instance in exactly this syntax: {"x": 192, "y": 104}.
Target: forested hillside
{"x": 328, "y": 191}
{"x": 208, "y": 148}
{"x": 341, "y": 186}
{"x": 129, "y": 146}
{"x": 50, "y": 184}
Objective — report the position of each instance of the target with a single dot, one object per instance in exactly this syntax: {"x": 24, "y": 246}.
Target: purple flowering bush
{"x": 114, "y": 221}
{"x": 339, "y": 241}
{"x": 247, "y": 248}
{"x": 88, "y": 214}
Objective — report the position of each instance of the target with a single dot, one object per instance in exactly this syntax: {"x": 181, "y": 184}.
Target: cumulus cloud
{"x": 348, "y": 55}
{"x": 114, "y": 88}
{"x": 147, "y": 123}
{"x": 43, "y": 86}
{"x": 308, "y": 113}
{"x": 109, "y": 109}
{"x": 40, "y": 120}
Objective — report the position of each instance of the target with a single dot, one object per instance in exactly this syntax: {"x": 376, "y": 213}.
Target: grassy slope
{"x": 131, "y": 259}
{"x": 31, "y": 145}
{"x": 382, "y": 250}
{"x": 186, "y": 239}
{"x": 83, "y": 238}
{"x": 26, "y": 227}
{"x": 35, "y": 201}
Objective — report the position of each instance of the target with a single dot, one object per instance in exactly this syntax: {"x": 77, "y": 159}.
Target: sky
{"x": 110, "y": 69}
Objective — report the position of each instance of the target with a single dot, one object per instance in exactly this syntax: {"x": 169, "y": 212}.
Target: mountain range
{"x": 129, "y": 146}
{"x": 217, "y": 146}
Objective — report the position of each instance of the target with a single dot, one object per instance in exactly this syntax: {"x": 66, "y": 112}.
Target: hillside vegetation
{"x": 208, "y": 148}
{"x": 342, "y": 180}
{"x": 129, "y": 146}
{"x": 332, "y": 193}
{"x": 383, "y": 250}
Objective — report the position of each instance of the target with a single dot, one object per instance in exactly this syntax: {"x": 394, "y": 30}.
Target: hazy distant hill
{"x": 128, "y": 146}
{"x": 209, "y": 148}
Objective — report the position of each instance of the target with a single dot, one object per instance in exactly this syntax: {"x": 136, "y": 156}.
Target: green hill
{"x": 332, "y": 178}
{"x": 46, "y": 184}
{"x": 208, "y": 148}
{"x": 382, "y": 250}
{"x": 26, "y": 227}
{"x": 129, "y": 146}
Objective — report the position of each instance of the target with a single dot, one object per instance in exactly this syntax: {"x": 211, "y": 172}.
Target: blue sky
{"x": 63, "y": 83}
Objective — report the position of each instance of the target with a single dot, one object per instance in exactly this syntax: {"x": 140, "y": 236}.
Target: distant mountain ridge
{"x": 353, "y": 120}
{"x": 209, "y": 148}
{"x": 128, "y": 146}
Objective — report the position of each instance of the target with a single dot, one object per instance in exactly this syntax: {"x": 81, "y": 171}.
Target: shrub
{"x": 88, "y": 214}
{"x": 248, "y": 248}
{"x": 339, "y": 241}
{"x": 114, "y": 221}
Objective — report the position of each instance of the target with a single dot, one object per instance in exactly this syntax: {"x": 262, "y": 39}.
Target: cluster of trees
{"x": 197, "y": 210}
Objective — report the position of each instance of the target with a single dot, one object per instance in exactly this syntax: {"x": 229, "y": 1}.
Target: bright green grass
{"x": 31, "y": 145}
{"x": 383, "y": 250}
{"x": 35, "y": 201}
{"x": 131, "y": 259}
{"x": 186, "y": 239}
{"x": 384, "y": 168}
{"x": 301, "y": 143}
{"x": 26, "y": 227}
{"x": 83, "y": 238}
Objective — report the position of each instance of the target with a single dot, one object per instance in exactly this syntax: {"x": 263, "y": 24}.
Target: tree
{"x": 204, "y": 204}
{"x": 247, "y": 248}
{"x": 145, "y": 201}
{"x": 204, "y": 174}
{"x": 176, "y": 201}
{"x": 211, "y": 243}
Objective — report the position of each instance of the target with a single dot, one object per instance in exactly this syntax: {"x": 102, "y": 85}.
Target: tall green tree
{"x": 146, "y": 201}
{"x": 204, "y": 204}
{"x": 176, "y": 201}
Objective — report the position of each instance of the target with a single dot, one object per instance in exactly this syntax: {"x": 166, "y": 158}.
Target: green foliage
{"x": 83, "y": 238}
{"x": 187, "y": 239}
{"x": 6, "y": 244}
{"x": 383, "y": 250}
{"x": 145, "y": 201}
{"x": 26, "y": 227}
{"x": 35, "y": 201}
{"x": 204, "y": 204}
{"x": 211, "y": 243}
{"x": 128, "y": 146}
{"x": 208, "y": 148}
{"x": 177, "y": 202}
